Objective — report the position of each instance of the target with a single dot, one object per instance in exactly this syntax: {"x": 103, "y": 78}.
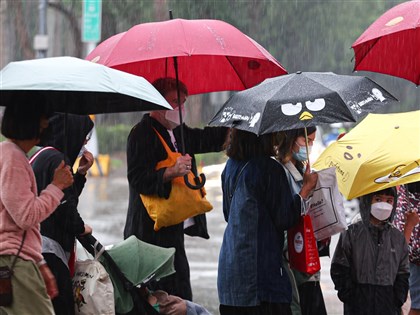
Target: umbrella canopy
{"x": 382, "y": 151}
{"x": 299, "y": 100}
{"x": 391, "y": 44}
{"x": 78, "y": 86}
{"x": 212, "y": 55}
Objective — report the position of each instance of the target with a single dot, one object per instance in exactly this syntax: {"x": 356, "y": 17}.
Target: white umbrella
{"x": 73, "y": 85}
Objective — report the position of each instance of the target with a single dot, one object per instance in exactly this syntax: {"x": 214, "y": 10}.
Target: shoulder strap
{"x": 236, "y": 181}
{"x": 165, "y": 145}
{"x": 33, "y": 157}
{"x": 17, "y": 255}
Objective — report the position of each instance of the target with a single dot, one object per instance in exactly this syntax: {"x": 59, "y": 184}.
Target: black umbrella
{"x": 300, "y": 100}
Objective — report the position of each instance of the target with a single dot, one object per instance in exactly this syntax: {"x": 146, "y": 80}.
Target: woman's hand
{"x": 49, "y": 280}
{"x": 63, "y": 177}
{"x": 182, "y": 167}
{"x": 85, "y": 163}
{"x": 309, "y": 182}
{"x": 88, "y": 230}
{"x": 411, "y": 220}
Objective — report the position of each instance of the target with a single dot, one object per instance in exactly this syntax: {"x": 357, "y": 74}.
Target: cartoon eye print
{"x": 397, "y": 174}
{"x": 290, "y": 109}
{"x": 316, "y": 105}
{"x": 348, "y": 156}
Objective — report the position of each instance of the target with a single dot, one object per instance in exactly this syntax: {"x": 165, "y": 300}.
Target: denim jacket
{"x": 257, "y": 212}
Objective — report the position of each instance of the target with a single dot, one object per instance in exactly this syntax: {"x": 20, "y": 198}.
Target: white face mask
{"x": 172, "y": 116}
{"x": 381, "y": 210}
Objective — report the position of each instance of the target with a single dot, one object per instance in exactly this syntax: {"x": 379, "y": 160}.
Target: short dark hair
{"x": 165, "y": 85}
{"x": 244, "y": 145}
{"x": 392, "y": 191}
{"x": 21, "y": 120}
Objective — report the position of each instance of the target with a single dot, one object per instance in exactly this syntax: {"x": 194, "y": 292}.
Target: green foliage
{"x": 112, "y": 138}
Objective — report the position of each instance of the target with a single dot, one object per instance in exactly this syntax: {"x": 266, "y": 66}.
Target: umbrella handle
{"x": 198, "y": 184}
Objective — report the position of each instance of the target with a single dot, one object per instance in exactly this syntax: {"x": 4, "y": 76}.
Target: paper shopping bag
{"x": 303, "y": 253}
{"x": 93, "y": 291}
{"x": 326, "y": 206}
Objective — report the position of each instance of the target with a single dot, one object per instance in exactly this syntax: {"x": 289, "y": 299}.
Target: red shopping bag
{"x": 72, "y": 261}
{"x": 301, "y": 243}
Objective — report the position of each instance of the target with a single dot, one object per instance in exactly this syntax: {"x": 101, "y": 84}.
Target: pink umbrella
{"x": 391, "y": 45}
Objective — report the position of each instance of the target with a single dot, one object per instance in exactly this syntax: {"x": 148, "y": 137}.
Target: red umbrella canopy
{"x": 391, "y": 45}
{"x": 212, "y": 55}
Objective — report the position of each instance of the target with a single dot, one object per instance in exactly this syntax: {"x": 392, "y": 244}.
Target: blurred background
{"x": 302, "y": 35}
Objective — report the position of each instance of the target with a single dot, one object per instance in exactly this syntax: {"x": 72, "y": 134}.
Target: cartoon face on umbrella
{"x": 382, "y": 151}
{"x": 290, "y": 109}
{"x": 300, "y": 100}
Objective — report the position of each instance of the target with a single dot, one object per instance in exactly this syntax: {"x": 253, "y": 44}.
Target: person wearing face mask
{"x": 370, "y": 264}
{"x": 144, "y": 151}
{"x": 292, "y": 155}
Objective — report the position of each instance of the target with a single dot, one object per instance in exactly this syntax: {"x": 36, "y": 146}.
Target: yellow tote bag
{"x": 183, "y": 202}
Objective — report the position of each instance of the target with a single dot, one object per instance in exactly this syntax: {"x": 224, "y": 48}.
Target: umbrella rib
{"x": 185, "y": 36}
{"x": 237, "y": 74}
{"x": 367, "y": 53}
{"x": 323, "y": 85}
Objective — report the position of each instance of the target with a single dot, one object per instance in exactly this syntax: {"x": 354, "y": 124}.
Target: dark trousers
{"x": 263, "y": 309}
{"x": 311, "y": 298}
{"x": 64, "y": 302}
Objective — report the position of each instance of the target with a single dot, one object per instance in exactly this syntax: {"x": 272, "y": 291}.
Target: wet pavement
{"x": 103, "y": 205}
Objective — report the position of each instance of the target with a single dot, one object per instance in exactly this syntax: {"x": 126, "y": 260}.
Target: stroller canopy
{"x": 140, "y": 262}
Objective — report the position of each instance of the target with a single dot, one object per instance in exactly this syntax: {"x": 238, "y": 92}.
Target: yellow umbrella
{"x": 382, "y": 151}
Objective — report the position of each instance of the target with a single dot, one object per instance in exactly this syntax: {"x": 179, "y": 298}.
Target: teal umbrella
{"x": 77, "y": 86}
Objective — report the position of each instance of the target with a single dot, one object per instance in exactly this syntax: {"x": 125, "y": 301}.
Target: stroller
{"x": 130, "y": 270}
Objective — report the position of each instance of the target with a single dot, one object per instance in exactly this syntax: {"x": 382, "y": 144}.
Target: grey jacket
{"x": 370, "y": 266}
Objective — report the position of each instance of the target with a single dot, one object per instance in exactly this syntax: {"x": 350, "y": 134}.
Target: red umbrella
{"x": 391, "y": 45}
{"x": 212, "y": 55}
{"x": 206, "y": 55}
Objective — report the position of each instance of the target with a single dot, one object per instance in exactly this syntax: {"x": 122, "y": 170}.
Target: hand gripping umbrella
{"x": 210, "y": 55}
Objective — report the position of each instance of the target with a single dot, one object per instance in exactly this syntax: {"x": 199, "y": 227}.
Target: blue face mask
{"x": 301, "y": 155}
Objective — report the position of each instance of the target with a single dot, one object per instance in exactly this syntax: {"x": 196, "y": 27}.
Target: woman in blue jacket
{"x": 258, "y": 206}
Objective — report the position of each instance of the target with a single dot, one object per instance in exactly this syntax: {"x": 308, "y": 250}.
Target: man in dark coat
{"x": 144, "y": 151}
{"x": 370, "y": 263}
